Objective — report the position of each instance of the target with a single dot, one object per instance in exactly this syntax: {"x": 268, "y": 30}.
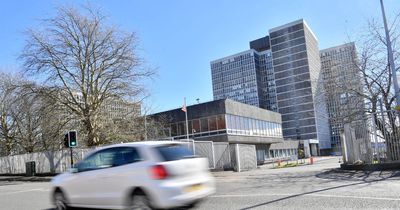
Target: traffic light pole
{"x": 72, "y": 159}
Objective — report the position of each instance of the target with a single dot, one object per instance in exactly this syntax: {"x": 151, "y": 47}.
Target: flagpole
{"x": 187, "y": 124}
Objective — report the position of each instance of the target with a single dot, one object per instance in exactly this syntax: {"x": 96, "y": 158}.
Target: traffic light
{"x": 72, "y": 140}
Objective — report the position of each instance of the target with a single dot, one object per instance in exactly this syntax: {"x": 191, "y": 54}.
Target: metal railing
{"x": 375, "y": 140}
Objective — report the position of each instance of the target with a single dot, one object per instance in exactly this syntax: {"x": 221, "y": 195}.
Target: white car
{"x": 141, "y": 175}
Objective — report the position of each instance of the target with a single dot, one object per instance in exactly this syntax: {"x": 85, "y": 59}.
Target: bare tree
{"x": 26, "y": 113}
{"x": 372, "y": 83}
{"x": 8, "y": 89}
{"x": 86, "y": 61}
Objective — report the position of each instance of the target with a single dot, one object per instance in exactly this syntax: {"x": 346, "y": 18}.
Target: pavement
{"x": 25, "y": 178}
{"x": 318, "y": 186}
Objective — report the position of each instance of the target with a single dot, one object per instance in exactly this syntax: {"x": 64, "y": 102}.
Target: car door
{"x": 85, "y": 186}
{"x": 119, "y": 178}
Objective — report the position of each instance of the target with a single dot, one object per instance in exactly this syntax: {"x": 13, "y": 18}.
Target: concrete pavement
{"x": 318, "y": 186}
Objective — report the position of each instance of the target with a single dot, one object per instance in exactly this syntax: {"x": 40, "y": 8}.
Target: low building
{"x": 228, "y": 121}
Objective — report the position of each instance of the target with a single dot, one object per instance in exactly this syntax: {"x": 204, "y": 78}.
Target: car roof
{"x": 143, "y": 143}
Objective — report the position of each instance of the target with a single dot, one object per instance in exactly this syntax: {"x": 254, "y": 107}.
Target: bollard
{"x": 311, "y": 160}
{"x": 279, "y": 163}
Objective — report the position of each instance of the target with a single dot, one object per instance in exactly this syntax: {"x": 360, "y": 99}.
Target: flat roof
{"x": 222, "y": 106}
{"x": 292, "y": 24}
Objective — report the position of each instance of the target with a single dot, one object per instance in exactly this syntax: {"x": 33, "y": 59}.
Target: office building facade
{"x": 297, "y": 65}
{"x": 338, "y": 67}
{"x": 286, "y": 75}
{"x": 232, "y": 122}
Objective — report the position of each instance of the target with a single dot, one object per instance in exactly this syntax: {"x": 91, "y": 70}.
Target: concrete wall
{"x": 240, "y": 109}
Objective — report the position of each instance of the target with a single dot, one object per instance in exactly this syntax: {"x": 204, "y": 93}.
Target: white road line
{"x": 23, "y": 191}
{"x": 311, "y": 195}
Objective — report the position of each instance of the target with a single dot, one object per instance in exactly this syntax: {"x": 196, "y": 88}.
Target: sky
{"x": 179, "y": 38}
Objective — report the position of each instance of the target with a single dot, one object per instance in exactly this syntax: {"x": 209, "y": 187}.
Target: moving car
{"x": 140, "y": 175}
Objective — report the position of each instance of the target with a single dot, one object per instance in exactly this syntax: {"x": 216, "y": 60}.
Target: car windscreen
{"x": 173, "y": 152}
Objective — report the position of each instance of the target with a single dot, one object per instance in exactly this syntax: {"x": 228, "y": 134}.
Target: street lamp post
{"x": 390, "y": 57}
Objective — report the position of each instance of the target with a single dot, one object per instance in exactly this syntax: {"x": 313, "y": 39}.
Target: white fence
{"x": 243, "y": 157}
{"x": 221, "y": 156}
{"x": 46, "y": 162}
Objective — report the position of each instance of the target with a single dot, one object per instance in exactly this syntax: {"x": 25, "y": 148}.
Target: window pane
{"x": 221, "y": 122}
{"x": 213, "y": 123}
{"x": 190, "y": 127}
{"x": 245, "y": 125}
{"x": 237, "y": 122}
{"x": 263, "y": 124}
{"x": 196, "y": 126}
{"x": 181, "y": 129}
{"x": 204, "y": 125}
{"x": 125, "y": 155}
{"x": 174, "y": 129}
{"x": 174, "y": 152}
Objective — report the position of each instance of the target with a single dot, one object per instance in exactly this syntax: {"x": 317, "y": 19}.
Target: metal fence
{"x": 374, "y": 140}
{"x": 220, "y": 155}
{"x": 205, "y": 149}
{"x": 46, "y": 162}
{"x": 386, "y": 135}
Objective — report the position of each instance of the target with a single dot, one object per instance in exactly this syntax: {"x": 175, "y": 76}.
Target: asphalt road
{"x": 316, "y": 186}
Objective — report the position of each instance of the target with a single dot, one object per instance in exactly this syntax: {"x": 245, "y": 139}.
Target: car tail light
{"x": 159, "y": 172}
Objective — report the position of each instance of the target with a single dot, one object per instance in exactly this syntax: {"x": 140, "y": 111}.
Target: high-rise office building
{"x": 281, "y": 73}
{"x": 246, "y": 77}
{"x": 297, "y": 65}
{"x": 338, "y": 67}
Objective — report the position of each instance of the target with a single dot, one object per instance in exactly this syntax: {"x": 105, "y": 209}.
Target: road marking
{"x": 23, "y": 191}
{"x": 312, "y": 195}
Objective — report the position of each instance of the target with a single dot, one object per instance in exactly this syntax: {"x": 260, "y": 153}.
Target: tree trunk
{"x": 92, "y": 138}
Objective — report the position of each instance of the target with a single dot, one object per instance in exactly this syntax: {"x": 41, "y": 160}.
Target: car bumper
{"x": 173, "y": 194}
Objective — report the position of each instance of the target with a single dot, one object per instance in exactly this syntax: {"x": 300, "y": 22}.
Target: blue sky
{"x": 181, "y": 37}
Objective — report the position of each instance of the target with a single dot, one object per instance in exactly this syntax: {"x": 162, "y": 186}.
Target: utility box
{"x": 30, "y": 168}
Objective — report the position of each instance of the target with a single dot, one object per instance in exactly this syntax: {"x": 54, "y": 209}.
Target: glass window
{"x": 125, "y": 155}
{"x": 204, "y": 125}
{"x": 221, "y": 122}
{"x": 229, "y": 123}
{"x": 98, "y": 160}
{"x": 174, "y": 129}
{"x": 232, "y": 123}
{"x": 245, "y": 125}
{"x": 212, "y": 123}
{"x": 110, "y": 157}
{"x": 268, "y": 129}
{"x": 237, "y": 122}
{"x": 195, "y": 126}
{"x": 174, "y": 152}
{"x": 241, "y": 124}
{"x": 181, "y": 129}
{"x": 254, "y": 126}
{"x": 263, "y": 127}
{"x": 190, "y": 127}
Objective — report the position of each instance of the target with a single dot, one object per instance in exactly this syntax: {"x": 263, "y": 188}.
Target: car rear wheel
{"x": 140, "y": 201}
{"x": 60, "y": 201}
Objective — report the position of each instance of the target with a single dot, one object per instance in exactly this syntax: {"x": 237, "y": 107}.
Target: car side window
{"x": 98, "y": 160}
{"x": 110, "y": 157}
{"x": 125, "y": 155}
